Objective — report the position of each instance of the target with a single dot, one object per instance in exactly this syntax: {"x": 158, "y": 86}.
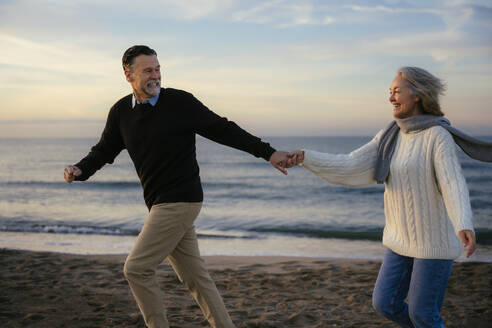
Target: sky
{"x": 275, "y": 67}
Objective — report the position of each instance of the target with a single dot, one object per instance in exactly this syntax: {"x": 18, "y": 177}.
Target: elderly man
{"x": 157, "y": 126}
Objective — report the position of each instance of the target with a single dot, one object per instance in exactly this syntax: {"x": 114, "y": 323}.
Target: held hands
{"x": 71, "y": 172}
{"x": 282, "y": 160}
{"x": 279, "y": 160}
{"x": 467, "y": 238}
{"x": 296, "y": 157}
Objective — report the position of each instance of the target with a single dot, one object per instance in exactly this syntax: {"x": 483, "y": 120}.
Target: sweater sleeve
{"x": 106, "y": 150}
{"x": 219, "y": 129}
{"x": 353, "y": 170}
{"x": 452, "y": 182}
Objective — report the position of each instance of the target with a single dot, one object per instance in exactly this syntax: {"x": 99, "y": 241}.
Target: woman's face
{"x": 405, "y": 104}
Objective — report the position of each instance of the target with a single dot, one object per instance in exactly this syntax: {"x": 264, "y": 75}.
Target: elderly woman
{"x": 426, "y": 201}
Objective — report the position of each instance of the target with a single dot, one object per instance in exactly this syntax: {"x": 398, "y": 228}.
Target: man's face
{"x": 145, "y": 77}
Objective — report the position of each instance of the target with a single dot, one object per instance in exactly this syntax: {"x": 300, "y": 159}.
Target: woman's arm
{"x": 453, "y": 188}
{"x": 353, "y": 170}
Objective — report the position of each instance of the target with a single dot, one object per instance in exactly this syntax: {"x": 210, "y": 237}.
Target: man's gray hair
{"x": 425, "y": 86}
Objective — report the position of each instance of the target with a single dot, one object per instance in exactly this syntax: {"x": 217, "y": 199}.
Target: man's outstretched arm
{"x": 219, "y": 129}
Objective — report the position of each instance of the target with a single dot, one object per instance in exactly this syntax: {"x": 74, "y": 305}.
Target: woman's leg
{"x": 427, "y": 288}
{"x": 391, "y": 288}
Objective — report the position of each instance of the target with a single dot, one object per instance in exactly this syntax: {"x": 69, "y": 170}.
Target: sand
{"x": 61, "y": 290}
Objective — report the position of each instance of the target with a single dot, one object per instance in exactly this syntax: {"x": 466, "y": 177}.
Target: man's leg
{"x": 190, "y": 268}
{"x": 161, "y": 233}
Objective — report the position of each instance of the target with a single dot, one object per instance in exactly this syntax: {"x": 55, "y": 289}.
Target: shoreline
{"x": 43, "y": 289}
{"x": 275, "y": 245}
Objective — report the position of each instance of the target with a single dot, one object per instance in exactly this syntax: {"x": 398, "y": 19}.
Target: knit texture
{"x": 426, "y": 200}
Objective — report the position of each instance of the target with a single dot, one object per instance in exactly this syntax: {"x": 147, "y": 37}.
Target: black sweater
{"x": 161, "y": 144}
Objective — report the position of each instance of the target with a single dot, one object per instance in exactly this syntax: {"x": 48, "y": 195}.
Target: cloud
{"x": 453, "y": 14}
{"x": 389, "y": 10}
{"x": 446, "y": 44}
{"x": 284, "y": 13}
{"x": 290, "y": 13}
{"x": 444, "y": 47}
{"x": 94, "y": 21}
{"x": 193, "y": 9}
{"x": 61, "y": 58}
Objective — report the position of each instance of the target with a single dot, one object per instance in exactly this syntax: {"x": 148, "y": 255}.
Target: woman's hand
{"x": 467, "y": 238}
{"x": 296, "y": 158}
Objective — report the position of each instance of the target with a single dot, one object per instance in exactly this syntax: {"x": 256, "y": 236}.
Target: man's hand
{"x": 296, "y": 157}
{"x": 467, "y": 238}
{"x": 71, "y": 172}
{"x": 279, "y": 160}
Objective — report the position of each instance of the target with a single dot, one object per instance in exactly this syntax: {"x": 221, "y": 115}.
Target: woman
{"x": 426, "y": 201}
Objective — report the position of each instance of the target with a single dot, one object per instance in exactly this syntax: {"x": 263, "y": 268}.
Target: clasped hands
{"x": 283, "y": 160}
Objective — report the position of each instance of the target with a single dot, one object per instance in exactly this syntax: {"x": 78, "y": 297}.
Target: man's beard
{"x": 152, "y": 87}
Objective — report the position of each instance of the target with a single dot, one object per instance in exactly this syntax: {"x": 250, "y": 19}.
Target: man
{"x": 157, "y": 126}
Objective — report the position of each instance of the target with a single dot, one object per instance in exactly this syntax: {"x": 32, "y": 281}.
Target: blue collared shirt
{"x": 151, "y": 101}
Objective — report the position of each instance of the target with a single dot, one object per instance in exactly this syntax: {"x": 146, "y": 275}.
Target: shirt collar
{"x": 151, "y": 101}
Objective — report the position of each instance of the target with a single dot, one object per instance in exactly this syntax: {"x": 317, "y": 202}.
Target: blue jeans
{"x": 424, "y": 281}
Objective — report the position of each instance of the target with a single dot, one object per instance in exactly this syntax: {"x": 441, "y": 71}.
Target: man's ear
{"x": 128, "y": 76}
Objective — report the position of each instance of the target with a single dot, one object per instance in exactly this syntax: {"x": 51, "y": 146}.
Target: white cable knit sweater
{"x": 426, "y": 201}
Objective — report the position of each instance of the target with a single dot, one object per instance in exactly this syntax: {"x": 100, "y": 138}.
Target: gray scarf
{"x": 474, "y": 148}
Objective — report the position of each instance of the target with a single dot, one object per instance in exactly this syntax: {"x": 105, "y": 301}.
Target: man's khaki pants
{"x": 169, "y": 232}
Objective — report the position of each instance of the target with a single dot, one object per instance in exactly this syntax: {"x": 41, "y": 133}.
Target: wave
{"x": 225, "y": 235}
{"x": 225, "y": 186}
{"x": 235, "y": 163}
{"x": 484, "y": 236}
{"x": 80, "y": 185}
{"x": 474, "y": 165}
{"x": 117, "y": 231}
{"x": 117, "y": 184}
{"x": 479, "y": 193}
{"x": 479, "y": 179}
{"x": 349, "y": 233}
{"x": 231, "y": 185}
{"x": 113, "y": 231}
{"x": 481, "y": 204}
{"x": 242, "y": 195}
{"x": 67, "y": 229}
{"x": 357, "y": 191}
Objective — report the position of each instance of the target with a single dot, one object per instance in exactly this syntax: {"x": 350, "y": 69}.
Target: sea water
{"x": 249, "y": 207}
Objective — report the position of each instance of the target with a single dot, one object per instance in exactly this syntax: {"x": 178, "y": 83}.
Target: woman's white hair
{"x": 425, "y": 86}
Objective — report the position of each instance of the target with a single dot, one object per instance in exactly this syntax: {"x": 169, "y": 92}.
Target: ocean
{"x": 249, "y": 207}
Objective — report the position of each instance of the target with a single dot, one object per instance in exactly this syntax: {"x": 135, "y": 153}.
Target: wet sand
{"x": 62, "y": 290}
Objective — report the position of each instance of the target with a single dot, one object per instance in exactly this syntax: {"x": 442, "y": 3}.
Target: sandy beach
{"x": 62, "y": 290}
